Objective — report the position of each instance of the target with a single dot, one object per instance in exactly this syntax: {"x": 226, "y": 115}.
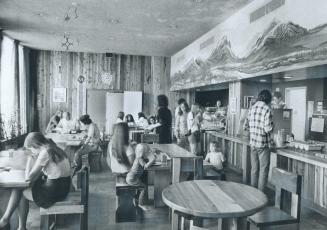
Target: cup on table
{"x": 164, "y": 159}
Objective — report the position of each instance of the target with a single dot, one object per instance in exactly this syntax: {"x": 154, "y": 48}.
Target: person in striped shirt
{"x": 260, "y": 125}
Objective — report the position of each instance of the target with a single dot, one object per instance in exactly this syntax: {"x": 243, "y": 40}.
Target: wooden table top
{"x": 67, "y": 139}
{"x": 13, "y": 179}
{"x": 214, "y": 199}
{"x": 173, "y": 150}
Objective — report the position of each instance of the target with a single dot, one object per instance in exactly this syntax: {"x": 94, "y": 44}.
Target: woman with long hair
{"x": 48, "y": 171}
{"x": 121, "y": 153}
{"x": 165, "y": 120}
{"x": 181, "y": 130}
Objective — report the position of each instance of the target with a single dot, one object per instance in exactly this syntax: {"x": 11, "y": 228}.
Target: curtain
{"x": 8, "y": 88}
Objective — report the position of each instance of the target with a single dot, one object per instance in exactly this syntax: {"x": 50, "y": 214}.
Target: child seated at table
{"x": 216, "y": 160}
{"x": 137, "y": 175}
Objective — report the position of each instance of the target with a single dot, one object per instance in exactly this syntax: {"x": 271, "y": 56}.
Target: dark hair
{"x": 119, "y": 140}
{"x": 265, "y": 96}
{"x": 215, "y": 143}
{"x": 85, "y": 119}
{"x": 180, "y": 112}
{"x": 129, "y": 118}
{"x": 140, "y": 114}
{"x": 180, "y": 101}
{"x": 152, "y": 117}
{"x": 121, "y": 115}
{"x": 162, "y": 100}
{"x": 38, "y": 140}
{"x": 277, "y": 94}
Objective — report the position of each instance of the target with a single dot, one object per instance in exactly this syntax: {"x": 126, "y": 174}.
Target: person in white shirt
{"x": 216, "y": 159}
{"x": 120, "y": 117}
{"x": 194, "y": 119}
{"x": 142, "y": 121}
{"x": 67, "y": 124}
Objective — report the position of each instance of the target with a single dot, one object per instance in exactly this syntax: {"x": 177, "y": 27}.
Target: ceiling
{"x": 139, "y": 27}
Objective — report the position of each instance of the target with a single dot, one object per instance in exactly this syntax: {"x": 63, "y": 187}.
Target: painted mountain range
{"x": 280, "y": 46}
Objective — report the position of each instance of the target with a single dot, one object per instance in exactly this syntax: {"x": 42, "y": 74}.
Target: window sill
{"x": 15, "y": 142}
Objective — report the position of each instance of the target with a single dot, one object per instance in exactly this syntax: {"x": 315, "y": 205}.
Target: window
{"x": 12, "y": 91}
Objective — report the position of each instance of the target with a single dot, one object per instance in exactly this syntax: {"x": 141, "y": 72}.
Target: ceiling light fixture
{"x": 114, "y": 21}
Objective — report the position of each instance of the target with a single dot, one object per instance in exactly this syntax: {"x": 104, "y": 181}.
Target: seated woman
{"x": 54, "y": 121}
{"x": 91, "y": 141}
{"x": 67, "y": 124}
{"x": 121, "y": 153}
{"x": 142, "y": 121}
{"x": 130, "y": 120}
{"x": 120, "y": 117}
{"x": 48, "y": 170}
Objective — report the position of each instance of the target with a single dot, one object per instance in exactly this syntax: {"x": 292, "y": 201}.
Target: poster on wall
{"x": 59, "y": 95}
{"x": 253, "y": 43}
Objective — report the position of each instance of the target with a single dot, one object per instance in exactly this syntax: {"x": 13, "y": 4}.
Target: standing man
{"x": 260, "y": 125}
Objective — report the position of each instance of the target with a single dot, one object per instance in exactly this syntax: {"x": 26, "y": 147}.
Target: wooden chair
{"x": 273, "y": 216}
{"x": 94, "y": 159}
{"x": 192, "y": 165}
{"x": 75, "y": 203}
{"x": 126, "y": 210}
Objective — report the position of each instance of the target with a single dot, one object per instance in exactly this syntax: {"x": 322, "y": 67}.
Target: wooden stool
{"x": 75, "y": 203}
{"x": 125, "y": 194}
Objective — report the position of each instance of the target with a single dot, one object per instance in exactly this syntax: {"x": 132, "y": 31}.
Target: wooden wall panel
{"x": 62, "y": 69}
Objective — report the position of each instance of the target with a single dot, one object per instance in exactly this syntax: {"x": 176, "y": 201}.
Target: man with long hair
{"x": 260, "y": 125}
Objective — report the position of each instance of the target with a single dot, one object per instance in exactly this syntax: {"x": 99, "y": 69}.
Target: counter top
{"x": 304, "y": 156}
{"x": 300, "y": 155}
{"x": 234, "y": 138}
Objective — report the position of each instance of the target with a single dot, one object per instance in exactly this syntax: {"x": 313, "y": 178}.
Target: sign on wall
{"x": 59, "y": 95}
{"x": 290, "y": 36}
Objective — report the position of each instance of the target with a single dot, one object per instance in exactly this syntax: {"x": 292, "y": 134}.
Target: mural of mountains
{"x": 279, "y": 46}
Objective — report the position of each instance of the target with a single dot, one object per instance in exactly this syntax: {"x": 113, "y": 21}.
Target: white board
{"x": 114, "y": 104}
{"x": 132, "y": 103}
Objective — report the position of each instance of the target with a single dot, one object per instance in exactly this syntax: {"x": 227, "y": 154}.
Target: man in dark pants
{"x": 260, "y": 125}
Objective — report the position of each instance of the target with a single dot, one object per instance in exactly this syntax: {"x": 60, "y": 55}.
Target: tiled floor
{"x": 102, "y": 209}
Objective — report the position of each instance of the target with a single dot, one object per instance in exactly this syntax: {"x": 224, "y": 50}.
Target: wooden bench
{"x": 276, "y": 215}
{"x": 126, "y": 210}
{"x": 95, "y": 160}
{"x": 75, "y": 203}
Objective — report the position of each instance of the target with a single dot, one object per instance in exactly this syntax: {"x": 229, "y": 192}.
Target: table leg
{"x": 246, "y": 164}
{"x": 220, "y": 224}
{"x": 236, "y": 224}
{"x": 161, "y": 181}
{"x": 176, "y": 170}
{"x": 174, "y": 220}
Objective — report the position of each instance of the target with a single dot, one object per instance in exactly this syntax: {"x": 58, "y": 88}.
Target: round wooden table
{"x": 215, "y": 199}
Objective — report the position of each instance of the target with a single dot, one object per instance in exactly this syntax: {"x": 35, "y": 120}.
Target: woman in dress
{"x": 91, "y": 142}
{"x": 181, "y": 130}
{"x": 48, "y": 172}
{"x": 165, "y": 120}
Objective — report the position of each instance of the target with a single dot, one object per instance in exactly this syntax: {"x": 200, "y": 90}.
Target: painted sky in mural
{"x": 293, "y": 36}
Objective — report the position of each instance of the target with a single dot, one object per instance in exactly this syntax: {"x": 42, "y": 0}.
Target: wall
{"x": 315, "y": 92}
{"x": 121, "y": 72}
{"x": 291, "y": 34}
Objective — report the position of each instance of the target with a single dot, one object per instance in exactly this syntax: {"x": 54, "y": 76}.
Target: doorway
{"x": 296, "y": 99}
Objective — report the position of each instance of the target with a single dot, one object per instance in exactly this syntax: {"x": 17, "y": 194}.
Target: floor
{"x": 102, "y": 210}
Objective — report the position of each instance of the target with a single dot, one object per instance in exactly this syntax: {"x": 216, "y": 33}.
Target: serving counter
{"x": 312, "y": 166}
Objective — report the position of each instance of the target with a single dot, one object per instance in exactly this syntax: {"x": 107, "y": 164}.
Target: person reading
{"x": 67, "y": 124}
{"x": 48, "y": 171}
